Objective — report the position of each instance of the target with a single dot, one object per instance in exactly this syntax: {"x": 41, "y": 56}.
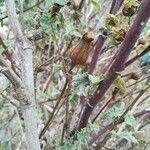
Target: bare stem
{"x": 98, "y": 50}
{"x": 118, "y": 65}
{"x": 113, "y": 124}
{"x": 116, "y": 4}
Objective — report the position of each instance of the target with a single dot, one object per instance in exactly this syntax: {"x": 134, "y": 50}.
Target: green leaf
{"x": 96, "y": 4}
{"x": 146, "y": 59}
{"x": 130, "y": 119}
{"x": 126, "y": 135}
{"x": 95, "y": 79}
{"x": 4, "y": 145}
{"x": 74, "y": 100}
{"x": 45, "y": 20}
{"x": 82, "y": 137}
{"x": 111, "y": 43}
{"x": 57, "y": 67}
{"x": 75, "y": 33}
{"x": 66, "y": 146}
{"x": 94, "y": 127}
{"x": 71, "y": 29}
{"x": 81, "y": 84}
{"x": 116, "y": 111}
{"x": 48, "y": 3}
{"x": 107, "y": 29}
{"x": 120, "y": 84}
{"x": 83, "y": 90}
{"x": 82, "y": 140}
{"x": 60, "y": 20}
{"x": 1, "y": 2}
{"x": 142, "y": 85}
{"x": 80, "y": 79}
{"x": 61, "y": 2}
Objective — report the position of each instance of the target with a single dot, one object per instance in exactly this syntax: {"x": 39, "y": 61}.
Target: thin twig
{"x": 81, "y": 5}
{"x": 8, "y": 55}
{"x": 40, "y": 67}
{"x": 105, "y": 105}
{"x": 129, "y": 62}
{"x": 65, "y": 126}
{"x": 57, "y": 104}
{"x": 116, "y": 4}
{"x": 9, "y": 73}
{"x": 147, "y": 77}
{"x": 54, "y": 110}
{"x": 48, "y": 81}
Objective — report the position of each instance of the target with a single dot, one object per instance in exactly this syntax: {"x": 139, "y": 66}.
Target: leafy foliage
{"x": 82, "y": 82}
{"x": 116, "y": 111}
{"x": 95, "y": 79}
{"x": 82, "y": 138}
{"x": 61, "y": 2}
{"x": 129, "y": 136}
{"x": 55, "y": 37}
{"x": 96, "y": 4}
{"x": 4, "y": 145}
{"x": 71, "y": 29}
{"x": 130, "y": 120}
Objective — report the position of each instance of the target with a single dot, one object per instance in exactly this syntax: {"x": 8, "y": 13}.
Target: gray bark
{"x": 25, "y": 49}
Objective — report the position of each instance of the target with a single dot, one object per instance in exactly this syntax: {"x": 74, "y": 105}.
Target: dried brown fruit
{"x": 79, "y": 53}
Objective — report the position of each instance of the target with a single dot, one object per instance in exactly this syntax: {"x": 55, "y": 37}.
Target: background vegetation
{"x": 102, "y": 102}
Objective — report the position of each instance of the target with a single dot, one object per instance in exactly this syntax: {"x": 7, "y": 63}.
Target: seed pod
{"x": 119, "y": 34}
{"x": 130, "y": 7}
{"x": 129, "y": 10}
{"x": 79, "y": 53}
{"x": 111, "y": 20}
{"x": 135, "y": 76}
